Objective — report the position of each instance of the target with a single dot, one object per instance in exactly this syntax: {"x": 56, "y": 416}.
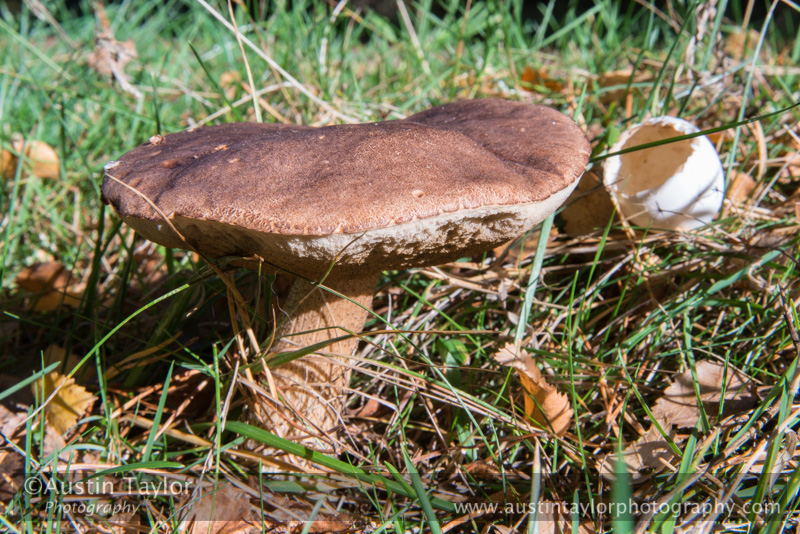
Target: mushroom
{"x": 339, "y": 205}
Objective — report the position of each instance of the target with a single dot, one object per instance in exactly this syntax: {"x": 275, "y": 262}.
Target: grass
{"x": 612, "y": 316}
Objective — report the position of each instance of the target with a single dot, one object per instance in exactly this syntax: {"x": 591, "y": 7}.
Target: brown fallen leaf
{"x": 618, "y": 78}
{"x": 326, "y": 524}
{"x": 741, "y": 185}
{"x": 11, "y": 422}
{"x": 556, "y": 518}
{"x": 221, "y": 510}
{"x": 41, "y": 277}
{"x": 717, "y": 138}
{"x": 484, "y": 470}
{"x": 648, "y": 454}
{"x": 740, "y": 43}
{"x": 12, "y": 473}
{"x": 543, "y": 403}
{"x": 125, "y": 522}
{"x": 531, "y": 78}
{"x": 50, "y": 282}
{"x": 679, "y": 403}
{"x": 54, "y": 443}
{"x": 295, "y": 515}
{"x": 69, "y": 403}
{"x": 8, "y": 164}
{"x": 229, "y": 81}
{"x": 791, "y": 172}
{"x": 369, "y": 409}
{"x": 39, "y": 158}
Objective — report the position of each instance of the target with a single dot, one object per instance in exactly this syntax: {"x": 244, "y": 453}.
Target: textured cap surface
{"x": 444, "y": 183}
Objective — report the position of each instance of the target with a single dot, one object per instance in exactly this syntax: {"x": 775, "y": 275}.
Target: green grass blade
{"x": 276, "y": 442}
{"x": 422, "y": 495}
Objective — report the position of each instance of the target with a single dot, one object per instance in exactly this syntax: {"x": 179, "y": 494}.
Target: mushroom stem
{"x": 311, "y": 386}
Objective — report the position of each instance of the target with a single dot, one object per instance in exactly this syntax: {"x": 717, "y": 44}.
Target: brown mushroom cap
{"x": 445, "y": 183}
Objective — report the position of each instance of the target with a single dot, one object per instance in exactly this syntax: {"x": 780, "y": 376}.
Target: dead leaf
{"x": 741, "y": 185}
{"x": 740, "y": 44}
{"x": 11, "y": 422}
{"x": 296, "y": 518}
{"x": 229, "y": 80}
{"x": 543, "y": 403}
{"x": 484, "y": 470}
{"x": 41, "y": 277}
{"x": 717, "y": 138}
{"x": 646, "y": 455}
{"x": 54, "y": 443}
{"x": 221, "y": 510}
{"x": 618, "y": 78}
{"x": 40, "y": 158}
{"x": 369, "y": 409}
{"x": 110, "y": 56}
{"x": 791, "y": 172}
{"x": 8, "y": 164}
{"x": 12, "y": 473}
{"x": 588, "y": 207}
{"x": 69, "y": 403}
{"x": 50, "y": 283}
{"x": 124, "y": 523}
{"x": 531, "y": 78}
{"x": 556, "y": 518}
{"x": 328, "y": 524}
{"x": 679, "y": 404}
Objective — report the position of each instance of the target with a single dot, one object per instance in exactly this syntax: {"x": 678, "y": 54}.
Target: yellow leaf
{"x": 69, "y": 403}
{"x": 543, "y": 402}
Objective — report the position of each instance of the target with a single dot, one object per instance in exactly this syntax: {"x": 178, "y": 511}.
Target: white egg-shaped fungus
{"x": 675, "y": 186}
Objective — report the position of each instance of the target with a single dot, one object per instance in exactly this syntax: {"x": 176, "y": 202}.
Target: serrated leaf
{"x": 543, "y": 402}
{"x": 69, "y": 403}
